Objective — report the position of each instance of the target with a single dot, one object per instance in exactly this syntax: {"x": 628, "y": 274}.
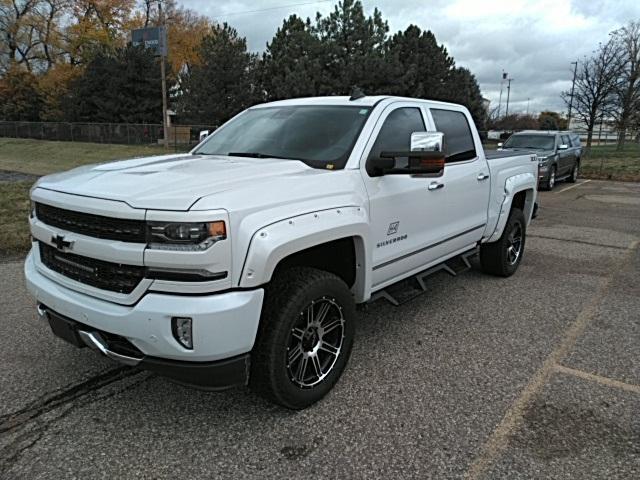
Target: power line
{"x": 232, "y": 14}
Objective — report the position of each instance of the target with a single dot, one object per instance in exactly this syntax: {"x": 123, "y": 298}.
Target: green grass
{"x": 40, "y": 157}
{"x": 14, "y": 213}
{"x": 605, "y": 161}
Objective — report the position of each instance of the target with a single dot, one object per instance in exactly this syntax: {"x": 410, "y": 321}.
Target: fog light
{"x": 182, "y": 331}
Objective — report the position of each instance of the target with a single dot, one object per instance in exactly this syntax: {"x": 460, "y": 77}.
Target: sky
{"x": 534, "y": 41}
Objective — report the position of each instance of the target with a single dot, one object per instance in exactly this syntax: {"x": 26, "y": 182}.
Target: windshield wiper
{"x": 260, "y": 155}
{"x": 250, "y": 154}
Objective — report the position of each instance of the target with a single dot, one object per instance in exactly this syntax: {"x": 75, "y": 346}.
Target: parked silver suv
{"x": 558, "y": 154}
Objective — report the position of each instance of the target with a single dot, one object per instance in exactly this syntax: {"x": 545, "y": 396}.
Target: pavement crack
{"x": 572, "y": 240}
{"x": 34, "y": 422}
{"x": 58, "y": 398}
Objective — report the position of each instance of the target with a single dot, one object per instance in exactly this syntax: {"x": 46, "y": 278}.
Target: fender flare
{"x": 514, "y": 185}
{"x": 272, "y": 243}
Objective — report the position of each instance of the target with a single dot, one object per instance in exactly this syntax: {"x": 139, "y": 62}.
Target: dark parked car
{"x": 558, "y": 154}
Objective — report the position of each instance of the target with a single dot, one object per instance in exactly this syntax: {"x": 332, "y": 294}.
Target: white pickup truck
{"x": 242, "y": 261}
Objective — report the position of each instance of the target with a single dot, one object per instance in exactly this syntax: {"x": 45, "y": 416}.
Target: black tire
{"x": 551, "y": 179}
{"x": 496, "y": 258}
{"x": 573, "y": 178}
{"x": 288, "y": 299}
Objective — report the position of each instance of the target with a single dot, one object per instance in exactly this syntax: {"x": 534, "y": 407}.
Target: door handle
{"x": 435, "y": 185}
{"x": 482, "y": 176}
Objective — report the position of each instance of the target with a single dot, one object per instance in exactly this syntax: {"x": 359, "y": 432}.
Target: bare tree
{"x": 596, "y": 83}
{"x": 627, "y": 98}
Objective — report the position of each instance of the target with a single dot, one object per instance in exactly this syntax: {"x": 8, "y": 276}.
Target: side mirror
{"x": 203, "y": 134}
{"x": 426, "y": 157}
{"x": 564, "y": 146}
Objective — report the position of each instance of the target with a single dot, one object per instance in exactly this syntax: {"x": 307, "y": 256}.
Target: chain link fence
{"x": 179, "y": 136}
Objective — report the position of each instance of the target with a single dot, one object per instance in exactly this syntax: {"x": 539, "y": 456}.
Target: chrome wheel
{"x": 514, "y": 244}
{"x": 315, "y": 342}
{"x": 552, "y": 178}
{"x": 574, "y": 174}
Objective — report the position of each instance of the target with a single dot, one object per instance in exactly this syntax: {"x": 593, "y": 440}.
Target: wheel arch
{"x": 331, "y": 240}
{"x": 520, "y": 192}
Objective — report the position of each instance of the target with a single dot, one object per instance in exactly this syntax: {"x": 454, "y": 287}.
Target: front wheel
{"x": 551, "y": 181}
{"x": 305, "y": 337}
{"x": 502, "y": 257}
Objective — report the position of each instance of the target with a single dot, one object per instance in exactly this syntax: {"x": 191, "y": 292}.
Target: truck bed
{"x": 495, "y": 154}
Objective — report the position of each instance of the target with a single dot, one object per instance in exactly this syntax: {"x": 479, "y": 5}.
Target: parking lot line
{"x": 609, "y": 382}
{"x": 512, "y": 420}
{"x": 572, "y": 186}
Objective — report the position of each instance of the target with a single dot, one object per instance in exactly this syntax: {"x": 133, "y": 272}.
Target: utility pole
{"x": 504, "y": 76}
{"x": 165, "y": 128}
{"x": 573, "y": 86}
{"x": 508, "y": 94}
{"x": 528, "y": 100}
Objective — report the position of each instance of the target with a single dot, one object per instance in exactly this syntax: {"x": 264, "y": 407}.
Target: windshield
{"x": 321, "y": 136}
{"x": 537, "y": 142}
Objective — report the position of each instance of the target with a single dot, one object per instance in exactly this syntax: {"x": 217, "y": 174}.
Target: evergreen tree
{"x": 291, "y": 66}
{"x": 120, "y": 87}
{"x": 223, "y": 83}
{"x": 463, "y": 88}
{"x": 421, "y": 67}
{"x": 352, "y": 49}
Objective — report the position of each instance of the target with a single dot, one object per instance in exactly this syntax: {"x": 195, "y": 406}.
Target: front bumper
{"x": 217, "y": 375}
{"x": 224, "y": 325}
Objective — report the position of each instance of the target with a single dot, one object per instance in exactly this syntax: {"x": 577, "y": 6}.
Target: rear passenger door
{"x": 466, "y": 178}
{"x": 566, "y": 158}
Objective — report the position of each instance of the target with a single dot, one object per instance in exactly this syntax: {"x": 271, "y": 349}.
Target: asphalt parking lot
{"x": 535, "y": 376}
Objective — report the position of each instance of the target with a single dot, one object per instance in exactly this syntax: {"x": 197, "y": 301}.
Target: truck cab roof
{"x": 366, "y": 101}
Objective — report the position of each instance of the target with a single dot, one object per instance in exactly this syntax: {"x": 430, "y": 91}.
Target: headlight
{"x": 185, "y": 236}
{"x": 542, "y": 159}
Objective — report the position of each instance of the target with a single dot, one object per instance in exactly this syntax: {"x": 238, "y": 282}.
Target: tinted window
{"x": 575, "y": 140}
{"x": 534, "y": 141}
{"x": 457, "y": 134}
{"x": 395, "y": 134}
{"x": 321, "y": 136}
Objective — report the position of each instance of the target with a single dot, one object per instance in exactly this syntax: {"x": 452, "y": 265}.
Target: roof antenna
{"x": 356, "y": 93}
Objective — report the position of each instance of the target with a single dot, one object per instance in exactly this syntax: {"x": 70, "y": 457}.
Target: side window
{"x": 457, "y": 134}
{"x": 565, "y": 141}
{"x": 395, "y": 134}
{"x": 575, "y": 140}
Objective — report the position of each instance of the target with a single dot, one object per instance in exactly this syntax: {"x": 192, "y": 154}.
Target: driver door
{"x": 407, "y": 211}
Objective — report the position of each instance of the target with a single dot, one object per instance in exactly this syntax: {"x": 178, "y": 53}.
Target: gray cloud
{"x": 535, "y": 41}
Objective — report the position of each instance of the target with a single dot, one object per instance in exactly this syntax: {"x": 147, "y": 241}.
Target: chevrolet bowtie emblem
{"x": 60, "y": 242}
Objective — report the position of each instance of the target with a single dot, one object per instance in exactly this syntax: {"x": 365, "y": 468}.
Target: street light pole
{"x": 573, "y": 86}
{"x": 508, "y": 95}
{"x": 165, "y": 128}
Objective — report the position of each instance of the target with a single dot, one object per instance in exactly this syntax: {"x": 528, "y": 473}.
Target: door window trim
{"x": 378, "y": 126}
{"x": 475, "y": 147}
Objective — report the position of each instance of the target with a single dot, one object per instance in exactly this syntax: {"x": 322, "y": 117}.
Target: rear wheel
{"x": 503, "y": 257}
{"x": 305, "y": 337}
{"x": 573, "y": 178}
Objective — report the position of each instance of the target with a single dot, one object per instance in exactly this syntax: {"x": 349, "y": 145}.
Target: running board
{"x": 398, "y": 293}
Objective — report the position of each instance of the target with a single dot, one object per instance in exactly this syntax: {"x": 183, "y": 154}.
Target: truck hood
{"x": 176, "y": 182}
